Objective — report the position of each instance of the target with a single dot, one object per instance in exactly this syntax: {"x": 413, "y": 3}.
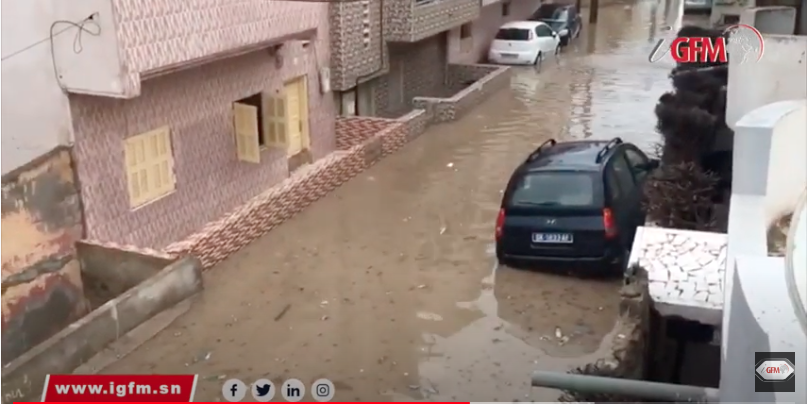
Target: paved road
{"x": 391, "y": 287}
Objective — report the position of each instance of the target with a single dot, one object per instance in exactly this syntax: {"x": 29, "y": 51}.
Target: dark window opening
{"x": 505, "y": 9}
{"x": 256, "y": 100}
{"x": 465, "y": 31}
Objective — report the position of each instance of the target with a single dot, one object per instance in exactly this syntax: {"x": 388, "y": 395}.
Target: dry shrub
{"x": 681, "y": 196}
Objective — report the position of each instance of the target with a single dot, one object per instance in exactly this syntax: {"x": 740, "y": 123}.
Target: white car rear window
{"x": 513, "y": 34}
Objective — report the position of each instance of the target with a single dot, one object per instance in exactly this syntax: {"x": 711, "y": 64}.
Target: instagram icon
{"x": 322, "y": 390}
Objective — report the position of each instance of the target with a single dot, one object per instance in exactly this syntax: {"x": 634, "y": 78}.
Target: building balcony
{"x": 414, "y": 20}
{"x": 117, "y": 44}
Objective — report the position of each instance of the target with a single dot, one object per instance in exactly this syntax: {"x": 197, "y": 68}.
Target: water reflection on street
{"x": 390, "y": 283}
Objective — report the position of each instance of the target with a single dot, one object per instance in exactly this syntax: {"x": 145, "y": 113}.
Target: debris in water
{"x": 558, "y": 333}
{"x": 449, "y": 165}
{"x": 421, "y": 286}
{"x": 323, "y": 303}
{"x": 425, "y": 315}
{"x": 443, "y": 230}
{"x": 283, "y": 312}
{"x": 325, "y": 317}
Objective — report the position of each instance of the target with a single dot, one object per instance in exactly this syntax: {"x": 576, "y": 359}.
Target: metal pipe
{"x": 626, "y": 387}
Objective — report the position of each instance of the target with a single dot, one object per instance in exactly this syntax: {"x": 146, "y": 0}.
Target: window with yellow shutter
{"x": 149, "y": 166}
{"x": 274, "y": 117}
{"x": 259, "y": 121}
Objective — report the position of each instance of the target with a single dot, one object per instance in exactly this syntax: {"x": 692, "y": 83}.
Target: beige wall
{"x": 42, "y": 288}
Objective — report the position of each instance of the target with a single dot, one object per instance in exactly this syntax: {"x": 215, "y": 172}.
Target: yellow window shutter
{"x": 281, "y": 123}
{"x": 269, "y": 132}
{"x": 163, "y": 161}
{"x": 245, "y": 120}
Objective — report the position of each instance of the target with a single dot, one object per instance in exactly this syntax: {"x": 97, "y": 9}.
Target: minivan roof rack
{"x": 608, "y": 146}
{"x": 537, "y": 152}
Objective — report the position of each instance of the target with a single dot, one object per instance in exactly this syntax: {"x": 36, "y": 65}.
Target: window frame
{"x": 638, "y": 174}
{"x": 506, "y": 8}
{"x": 147, "y": 167}
{"x": 547, "y": 27}
{"x": 626, "y": 181}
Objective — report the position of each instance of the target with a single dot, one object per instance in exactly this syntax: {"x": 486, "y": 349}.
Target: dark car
{"x": 574, "y": 201}
{"x": 564, "y": 19}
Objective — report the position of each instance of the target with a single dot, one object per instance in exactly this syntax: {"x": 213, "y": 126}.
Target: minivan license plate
{"x": 552, "y": 238}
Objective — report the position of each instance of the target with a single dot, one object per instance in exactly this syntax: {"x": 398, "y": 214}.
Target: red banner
{"x": 119, "y": 388}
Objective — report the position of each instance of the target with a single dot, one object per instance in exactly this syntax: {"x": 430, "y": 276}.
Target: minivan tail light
{"x": 608, "y": 223}
{"x": 499, "y": 224}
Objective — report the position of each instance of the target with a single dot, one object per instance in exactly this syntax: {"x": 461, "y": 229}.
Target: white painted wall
{"x": 768, "y": 178}
{"x": 35, "y": 114}
{"x": 778, "y": 76}
{"x": 788, "y": 155}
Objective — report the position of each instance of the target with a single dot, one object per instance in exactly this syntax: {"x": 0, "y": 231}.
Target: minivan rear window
{"x": 562, "y": 189}
{"x": 513, "y": 34}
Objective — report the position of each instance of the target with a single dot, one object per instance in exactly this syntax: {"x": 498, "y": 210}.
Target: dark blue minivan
{"x": 574, "y": 201}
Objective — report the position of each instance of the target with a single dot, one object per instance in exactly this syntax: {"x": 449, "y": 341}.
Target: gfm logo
{"x": 744, "y": 42}
{"x": 775, "y": 370}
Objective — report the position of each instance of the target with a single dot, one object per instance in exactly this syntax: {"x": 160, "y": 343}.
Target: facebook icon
{"x": 234, "y": 390}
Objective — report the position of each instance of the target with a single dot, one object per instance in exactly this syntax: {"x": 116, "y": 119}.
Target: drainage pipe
{"x": 625, "y": 387}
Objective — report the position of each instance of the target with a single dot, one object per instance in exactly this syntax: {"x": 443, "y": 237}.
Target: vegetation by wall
{"x": 693, "y": 179}
{"x": 41, "y": 281}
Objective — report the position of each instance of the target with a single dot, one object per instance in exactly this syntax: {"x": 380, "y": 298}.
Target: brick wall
{"x": 490, "y": 79}
{"x": 351, "y": 131}
{"x": 42, "y": 288}
{"x": 197, "y": 104}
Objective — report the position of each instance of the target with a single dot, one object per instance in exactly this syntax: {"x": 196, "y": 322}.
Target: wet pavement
{"x": 389, "y": 287}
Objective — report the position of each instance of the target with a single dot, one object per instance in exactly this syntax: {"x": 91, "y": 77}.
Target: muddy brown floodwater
{"x": 391, "y": 284}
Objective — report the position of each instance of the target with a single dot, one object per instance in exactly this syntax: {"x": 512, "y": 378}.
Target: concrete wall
{"x": 109, "y": 270}
{"x": 197, "y": 105}
{"x": 35, "y": 114}
{"x": 42, "y": 288}
{"x": 24, "y": 377}
{"x": 778, "y": 76}
{"x": 758, "y": 315}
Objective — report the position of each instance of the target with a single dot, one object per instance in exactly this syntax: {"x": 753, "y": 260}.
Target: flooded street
{"x": 388, "y": 286}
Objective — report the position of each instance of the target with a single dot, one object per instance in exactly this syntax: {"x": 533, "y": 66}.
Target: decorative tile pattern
{"x": 356, "y": 56}
{"x": 685, "y": 268}
{"x": 485, "y": 79}
{"x": 131, "y": 248}
{"x": 197, "y": 105}
{"x": 359, "y": 139}
{"x": 153, "y": 34}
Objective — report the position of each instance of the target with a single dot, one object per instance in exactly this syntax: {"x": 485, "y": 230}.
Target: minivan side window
{"x": 612, "y": 185}
{"x": 636, "y": 159}
{"x": 623, "y": 173}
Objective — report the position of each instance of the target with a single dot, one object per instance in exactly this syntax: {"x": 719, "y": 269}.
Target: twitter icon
{"x": 263, "y": 390}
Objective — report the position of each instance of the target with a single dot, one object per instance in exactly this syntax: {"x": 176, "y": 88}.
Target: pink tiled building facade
{"x": 222, "y": 101}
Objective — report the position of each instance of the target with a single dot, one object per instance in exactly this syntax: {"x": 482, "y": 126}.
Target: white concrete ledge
{"x": 685, "y": 271}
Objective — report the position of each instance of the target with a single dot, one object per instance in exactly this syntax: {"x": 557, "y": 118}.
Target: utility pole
{"x": 594, "y": 11}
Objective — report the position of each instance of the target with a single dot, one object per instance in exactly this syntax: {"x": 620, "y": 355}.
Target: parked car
{"x": 523, "y": 43}
{"x": 562, "y": 18}
{"x": 574, "y": 201}
{"x": 697, "y": 5}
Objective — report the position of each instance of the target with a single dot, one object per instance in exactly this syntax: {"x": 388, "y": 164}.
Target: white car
{"x": 524, "y": 43}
